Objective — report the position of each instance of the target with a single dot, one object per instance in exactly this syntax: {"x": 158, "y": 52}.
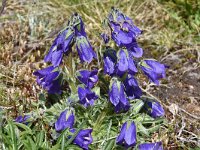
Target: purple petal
{"x": 121, "y": 136}
{"x": 151, "y": 146}
{"x": 130, "y": 136}
{"x": 114, "y": 95}
{"x": 64, "y": 121}
{"x": 84, "y": 139}
{"x": 122, "y": 64}
{"x": 153, "y": 69}
{"x": 84, "y": 49}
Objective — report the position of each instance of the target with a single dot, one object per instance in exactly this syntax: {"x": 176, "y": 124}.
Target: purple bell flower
{"x": 151, "y": 146}
{"x": 86, "y": 96}
{"x": 123, "y": 31}
{"x": 126, "y": 23}
{"x": 22, "y": 119}
{"x": 121, "y": 38}
{"x": 154, "y": 109}
{"x": 105, "y": 38}
{"x": 134, "y": 49}
{"x": 65, "y": 120}
{"x": 84, "y": 49}
{"x": 49, "y": 79}
{"x": 62, "y": 44}
{"x": 89, "y": 78}
{"x": 83, "y": 138}
{"x": 127, "y": 136}
{"x": 117, "y": 96}
{"x": 78, "y": 25}
{"x": 125, "y": 63}
{"x": 131, "y": 87}
{"x": 110, "y": 59}
{"x": 153, "y": 69}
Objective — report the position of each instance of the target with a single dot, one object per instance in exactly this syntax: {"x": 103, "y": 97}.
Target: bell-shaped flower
{"x": 153, "y": 69}
{"x": 134, "y": 49}
{"x": 154, "y": 109}
{"x": 122, "y": 38}
{"x": 48, "y": 78}
{"x": 22, "y": 119}
{"x": 126, "y": 23}
{"x": 132, "y": 88}
{"x": 125, "y": 63}
{"x": 151, "y": 146}
{"x": 62, "y": 44}
{"x": 105, "y": 38}
{"x": 127, "y": 136}
{"x": 84, "y": 49}
{"x": 65, "y": 120}
{"x": 110, "y": 59}
{"x": 78, "y": 25}
{"x": 123, "y": 31}
{"x": 86, "y": 96}
{"x": 89, "y": 78}
{"x": 83, "y": 138}
{"x": 117, "y": 96}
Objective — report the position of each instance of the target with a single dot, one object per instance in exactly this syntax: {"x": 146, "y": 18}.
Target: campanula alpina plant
{"x": 110, "y": 109}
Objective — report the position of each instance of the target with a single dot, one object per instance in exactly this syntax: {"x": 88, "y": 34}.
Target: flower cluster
{"x": 74, "y": 33}
{"x": 121, "y": 64}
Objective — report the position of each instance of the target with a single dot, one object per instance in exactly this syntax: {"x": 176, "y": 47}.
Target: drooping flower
{"x": 127, "y": 136}
{"x": 89, "y": 78}
{"x": 62, "y": 44}
{"x": 131, "y": 87}
{"x": 125, "y": 63}
{"x": 83, "y": 138}
{"x": 49, "y": 79}
{"x": 78, "y": 25}
{"x": 22, "y": 119}
{"x": 123, "y": 31}
{"x": 126, "y": 23}
{"x": 153, "y": 69}
{"x": 151, "y": 146}
{"x": 65, "y": 120}
{"x": 135, "y": 50}
{"x": 154, "y": 109}
{"x": 86, "y": 96}
{"x": 105, "y": 38}
{"x": 84, "y": 49}
{"x": 117, "y": 96}
{"x": 110, "y": 60}
{"x": 121, "y": 38}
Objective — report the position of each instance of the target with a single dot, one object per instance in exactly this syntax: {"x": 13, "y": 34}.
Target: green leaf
{"x": 40, "y": 138}
{"x": 137, "y": 106}
{"x": 12, "y": 134}
{"x": 109, "y": 145}
{"x": 142, "y": 129}
{"x": 63, "y": 143}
